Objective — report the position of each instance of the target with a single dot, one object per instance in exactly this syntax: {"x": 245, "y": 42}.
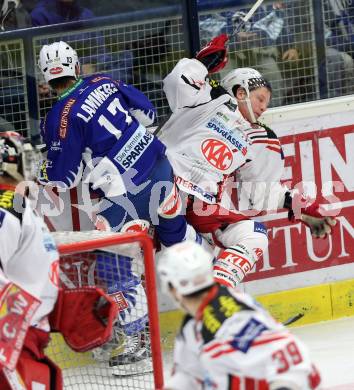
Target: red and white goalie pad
{"x": 84, "y": 316}
{"x": 17, "y": 308}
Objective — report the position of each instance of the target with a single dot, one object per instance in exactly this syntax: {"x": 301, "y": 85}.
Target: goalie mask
{"x": 187, "y": 267}
{"x": 18, "y": 158}
{"x": 58, "y": 60}
{"x": 247, "y": 78}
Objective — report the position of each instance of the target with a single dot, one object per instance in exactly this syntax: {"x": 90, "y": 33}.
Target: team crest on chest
{"x": 217, "y": 153}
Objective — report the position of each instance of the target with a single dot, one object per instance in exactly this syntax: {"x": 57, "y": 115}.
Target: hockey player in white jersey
{"x": 206, "y": 142}
{"x": 227, "y": 340}
{"x": 259, "y": 187}
{"x": 31, "y": 302}
{"x": 212, "y": 133}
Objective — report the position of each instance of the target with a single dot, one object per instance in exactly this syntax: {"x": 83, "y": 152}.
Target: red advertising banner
{"x": 324, "y": 159}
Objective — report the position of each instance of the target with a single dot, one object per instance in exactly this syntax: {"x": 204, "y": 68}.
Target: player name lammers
{"x": 134, "y": 147}
{"x": 95, "y": 99}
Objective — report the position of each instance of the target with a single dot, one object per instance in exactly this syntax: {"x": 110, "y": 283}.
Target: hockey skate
{"x": 111, "y": 348}
{"x": 135, "y": 357}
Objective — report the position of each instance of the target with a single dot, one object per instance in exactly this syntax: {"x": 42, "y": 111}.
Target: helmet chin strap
{"x": 250, "y": 110}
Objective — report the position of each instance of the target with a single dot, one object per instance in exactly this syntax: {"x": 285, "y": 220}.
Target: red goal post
{"x": 81, "y": 247}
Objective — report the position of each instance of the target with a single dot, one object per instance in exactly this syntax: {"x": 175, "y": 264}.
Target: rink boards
{"x": 301, "y": 278}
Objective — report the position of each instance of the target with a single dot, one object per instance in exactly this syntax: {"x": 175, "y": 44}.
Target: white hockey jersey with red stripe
{"x": 205, "y": 133}
{"x": 235, "y": 344}
{"x": 28, "y": 255}
{"x": 258, "y": 181}
{"x": 207, "y": 138}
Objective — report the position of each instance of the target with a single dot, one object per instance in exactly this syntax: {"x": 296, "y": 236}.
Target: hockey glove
{"x": 312, "y": 216}
{"x": 214, "y": 54}
{"x": 84, "y": 316}
{"x": 320, "y": 225}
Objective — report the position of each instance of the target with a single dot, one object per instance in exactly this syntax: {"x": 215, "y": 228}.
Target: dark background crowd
{"x": 278, "y": 41}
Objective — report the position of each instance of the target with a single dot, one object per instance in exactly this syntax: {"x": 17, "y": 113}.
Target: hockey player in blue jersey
{"x": 96, "y": 132}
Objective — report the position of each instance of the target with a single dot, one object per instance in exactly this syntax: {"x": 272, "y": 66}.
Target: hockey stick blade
{"x": 248, "y": 16}
{"x": 293, "y": 319}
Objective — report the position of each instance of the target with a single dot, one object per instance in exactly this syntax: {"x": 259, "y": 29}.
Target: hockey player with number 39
{"x": 227, "y": 340}
{"x": 31, "y": 302}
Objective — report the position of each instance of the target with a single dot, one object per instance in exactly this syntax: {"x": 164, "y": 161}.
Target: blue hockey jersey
{"x": 98, "y": 117}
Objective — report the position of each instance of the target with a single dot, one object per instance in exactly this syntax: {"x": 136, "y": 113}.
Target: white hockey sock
{"x": 232, "y": 265}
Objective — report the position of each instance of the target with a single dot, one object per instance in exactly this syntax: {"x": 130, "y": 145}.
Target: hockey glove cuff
{"x": 312, "y": 216}
{"x": 214, "y": 54}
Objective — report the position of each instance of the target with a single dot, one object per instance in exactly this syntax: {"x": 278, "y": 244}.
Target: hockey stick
{"x": 293, "y": 319}
{"x": 248, "y": 16}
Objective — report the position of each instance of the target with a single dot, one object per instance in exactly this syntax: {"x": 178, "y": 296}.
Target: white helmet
{"x": 247, "y": 78}
{"x": 186, "y": 266}
{"x": 58, "y": 60}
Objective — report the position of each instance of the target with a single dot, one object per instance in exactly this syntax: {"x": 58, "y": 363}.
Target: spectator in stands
{"x": 59, "y": 11}
{"x": 339, "y": 34}
{"x": 13, "y": 15}
{"x": 12, "y": 107}
{"x": 62, "y": 11}
{"x": 94, "y": 57}
{"x": 5, "y": 125}
{"x": 145, "y": 53}
{"x": 267, "y": 41}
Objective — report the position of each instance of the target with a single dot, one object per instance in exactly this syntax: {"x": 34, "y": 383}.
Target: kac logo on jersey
{"x": 54, "y": 273}
{"x": 217, "y": 153}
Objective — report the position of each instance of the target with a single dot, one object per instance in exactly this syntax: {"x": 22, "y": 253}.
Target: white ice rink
{"x": 331, "y": 344}
{"x": 332, "y": 349}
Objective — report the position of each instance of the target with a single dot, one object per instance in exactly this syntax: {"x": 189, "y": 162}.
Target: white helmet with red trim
{"x": 58, "y": 60}
{"x": 187, "y": 266}
{"x": 247, "y": 78}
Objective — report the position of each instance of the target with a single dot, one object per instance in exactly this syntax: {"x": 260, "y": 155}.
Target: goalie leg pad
{"x": 33, "y": 367}
{"x": 17, "y": 308}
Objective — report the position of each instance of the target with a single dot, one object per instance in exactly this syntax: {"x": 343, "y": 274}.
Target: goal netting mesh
{"x": 122, "y": 264}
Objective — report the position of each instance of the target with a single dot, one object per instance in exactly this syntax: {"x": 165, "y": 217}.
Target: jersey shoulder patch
{"x": 185, "y": 321}
{"x": 220, "y": 308}
{"x": 7, "y": 203}
{"x": 271, "y": 134}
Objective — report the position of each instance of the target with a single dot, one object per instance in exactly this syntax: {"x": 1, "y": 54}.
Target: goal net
{"x": 122, "y": 264}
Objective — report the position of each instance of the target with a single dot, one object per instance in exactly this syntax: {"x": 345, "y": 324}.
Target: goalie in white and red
{"x": 31, "y": 302}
